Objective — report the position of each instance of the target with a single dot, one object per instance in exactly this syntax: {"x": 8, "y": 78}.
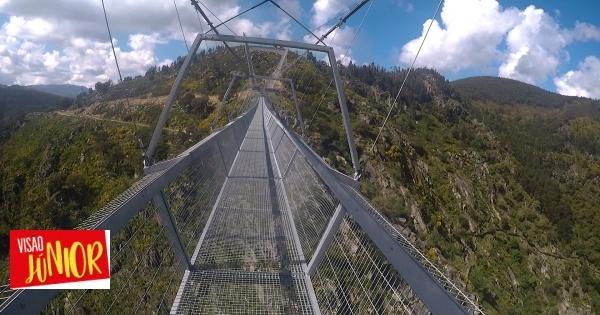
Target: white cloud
{"x": 67, "y": 41}
{"x": 472, "y": 31}
{"x": 71, "y": 41}
{"x": 340, "y": 40}
{"x": 145, "y": 42}
{"x": 583, "y": 82}
{"x": 527, "y": 45}
{"x": 536, "y": 47}
{"x": 292, "y": 7}
{"x": 585, "y": 32}
{"x": 325, "y": 10}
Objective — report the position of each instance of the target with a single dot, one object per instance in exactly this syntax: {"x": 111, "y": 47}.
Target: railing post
{"x": 297, "y": 107}
{"x": 326, "y": 239}
{"x": 342, "y": 100}
{"x": 250, "y": 66}
{"x": 171, "y": 99}
{"x": 229, "y": 89}
{"x": 171, "y": 229}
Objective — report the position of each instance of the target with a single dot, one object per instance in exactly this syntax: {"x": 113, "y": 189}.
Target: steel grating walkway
{"x": 246, "y": 261}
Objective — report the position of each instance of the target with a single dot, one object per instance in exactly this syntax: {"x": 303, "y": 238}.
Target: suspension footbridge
{"x": 250, "y": 220}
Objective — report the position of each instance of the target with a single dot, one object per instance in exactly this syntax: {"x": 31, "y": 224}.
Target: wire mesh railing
{"x": 354, "y": 276}
{"x": 192, "y": 195}
{"x": 144, "y": 273}
{"x": 145, "y": 268}
{"x": 448, "y": 284}
{"x": 245, "y": 261}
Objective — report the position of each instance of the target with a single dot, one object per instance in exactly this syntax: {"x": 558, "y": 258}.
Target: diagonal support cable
{"x": 299, "y": 23}
{"x": 343, "y": 19}
{"x": 213, "y": 28}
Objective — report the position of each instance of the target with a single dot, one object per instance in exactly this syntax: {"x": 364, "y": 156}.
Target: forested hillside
{"x": 17, "y": 101}
{"x": 498, "y": 187}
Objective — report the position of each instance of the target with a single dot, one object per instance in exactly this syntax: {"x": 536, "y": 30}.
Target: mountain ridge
{"x": 64, "y": 90}
{"x": 18, "y": 99}
{"x": 505, "y": 91}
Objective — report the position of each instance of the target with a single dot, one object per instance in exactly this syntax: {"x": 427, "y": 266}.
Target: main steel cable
{"x": 200, "y": 21}
{"x": 181, "y": 26}
{"x": 293, "y": 18}
{"x": 406, "y": 77}
{"x": 318, "y": 27}
{"x": 314, "y": 30}
{"x": 307, "y": 51}
{"x": 216, "y": 17}
{"x": 111, "y": 41}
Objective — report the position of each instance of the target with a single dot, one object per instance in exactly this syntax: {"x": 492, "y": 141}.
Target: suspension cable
{"x": 181, "y": 26}
{"x": 318, "y": 27}
{"x": 345, "y": 18}
{"x": 135, "y": 129}
{"x": 293, "y": 18}
{"x": 314, "y": 74}
{"x": 406, "y": 77}
{"x": 216, "y": 17}
{"x": 345, "y": 54}
{"x": 307, "y": 51}
{"x": 240, "y": 14}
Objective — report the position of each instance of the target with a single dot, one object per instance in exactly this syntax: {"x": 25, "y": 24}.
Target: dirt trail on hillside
{"x": 70, "y": 113}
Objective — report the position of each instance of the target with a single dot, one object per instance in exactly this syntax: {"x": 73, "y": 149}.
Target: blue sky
{"x": 554, "y": 44}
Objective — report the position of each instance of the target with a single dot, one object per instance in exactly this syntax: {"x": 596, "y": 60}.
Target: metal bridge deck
{"x": 246, "y": 261}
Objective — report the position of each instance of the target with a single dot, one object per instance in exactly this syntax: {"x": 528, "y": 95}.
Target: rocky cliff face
{"x": 455, "y": 186}
{"x": 451, "y": 174}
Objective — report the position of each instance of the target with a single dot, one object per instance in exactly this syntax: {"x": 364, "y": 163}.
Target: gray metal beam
{"x": 171, "y": 230}
{"x": 297, "y": 108}
{"x": 326, "y": 239}
{"x": 171, "y": 99}
{"x": 264, "y": 41}
{"x": 429, "y": 290}
{"x": 161, "y": 166}
{"x": 267, "y": 49}
{"x": 250, "y": 66}
{"x": 229, "y": 89}
{"x": 277, "y": 73}
{"x": 213, "y": 28}
{"x": 342, "y": 100}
